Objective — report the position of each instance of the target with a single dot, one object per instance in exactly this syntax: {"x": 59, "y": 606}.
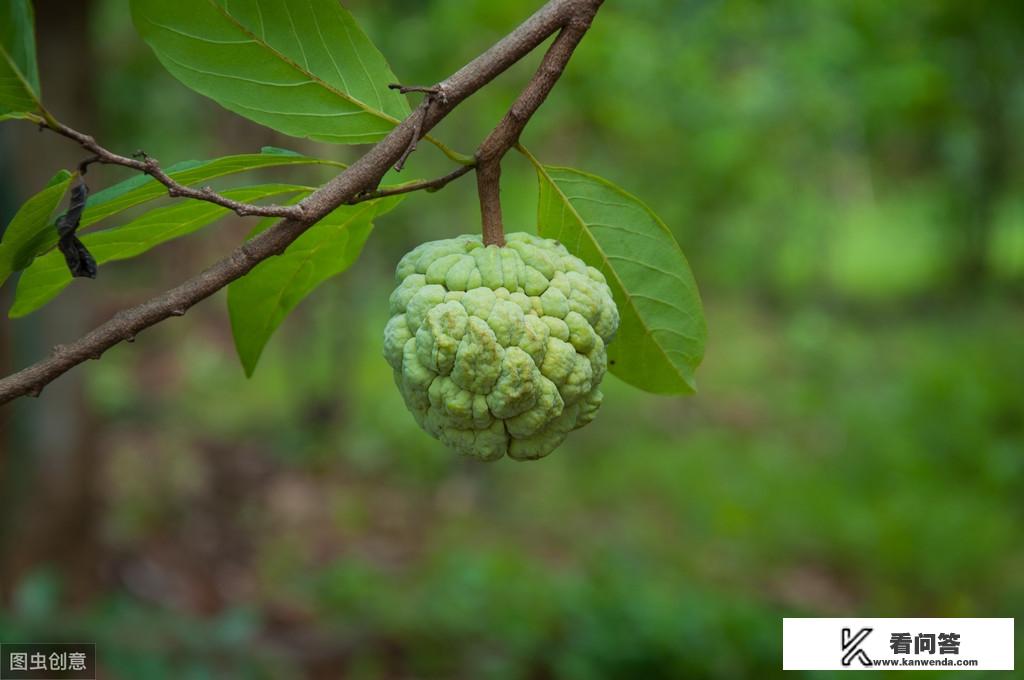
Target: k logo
{"x": 851, "y": 647}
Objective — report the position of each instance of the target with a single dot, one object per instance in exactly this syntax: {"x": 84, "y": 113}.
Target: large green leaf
{"x": 661, "y": 336}
{"x": 19, "y": 73}
{"x": 259, "y": 301}
{"x": 302, "y": 67}
{"x": 49, "y": 274}
{"x": 142, "y": 188}
{"x": 31, "y": 225}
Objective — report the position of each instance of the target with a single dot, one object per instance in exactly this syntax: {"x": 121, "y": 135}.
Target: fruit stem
{"x": 488, "y": 183}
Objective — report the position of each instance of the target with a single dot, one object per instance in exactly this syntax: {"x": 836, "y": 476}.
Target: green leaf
{"x": 21, "y": 115}
{"x": 31, "y": 226}
{"x": 49, "y": 275}
{"x": 661, "y": 336}
{"x": 19, "y": 73}
{"x": 142, "y": 188}
{"x": 301, "y": 67}
{"x": 281, "y": 152}
{"x": 259, "y": 301}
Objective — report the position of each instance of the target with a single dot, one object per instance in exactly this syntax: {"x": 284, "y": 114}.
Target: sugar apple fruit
{"x": 499, "y": 350}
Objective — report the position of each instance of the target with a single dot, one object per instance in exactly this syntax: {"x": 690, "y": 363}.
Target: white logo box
{"x": 897, "y": 644}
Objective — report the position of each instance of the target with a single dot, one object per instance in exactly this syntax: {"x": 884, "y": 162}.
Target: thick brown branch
{"x": 362, "y": 176}
{"x": 152, "y": 168}
{"x": 506, "y": 134}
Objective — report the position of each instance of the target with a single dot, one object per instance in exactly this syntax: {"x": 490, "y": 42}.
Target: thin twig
{"x": 363, "y": 175}
{"x": 406, "y": 89}
{"x": 150, "y": 166}
{"x": 428, "y": 185}
{"x": 417, "y": 131}
{"x": 434, "y": 93}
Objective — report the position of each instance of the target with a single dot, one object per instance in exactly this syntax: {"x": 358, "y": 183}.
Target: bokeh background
{"x": 845, "y": 178}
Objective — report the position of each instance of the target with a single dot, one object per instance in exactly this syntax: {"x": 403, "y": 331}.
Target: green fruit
{"x": 499, "y": 350}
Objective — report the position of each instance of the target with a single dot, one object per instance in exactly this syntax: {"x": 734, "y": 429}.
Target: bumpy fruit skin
{"x": 499, "y": 350}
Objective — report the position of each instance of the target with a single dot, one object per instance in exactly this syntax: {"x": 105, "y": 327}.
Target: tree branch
{"x": 506, "y": 134}
{"x": 571, "y": 17}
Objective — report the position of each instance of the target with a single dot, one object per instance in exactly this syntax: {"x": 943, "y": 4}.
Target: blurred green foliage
{"x": 843, "y": 178}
